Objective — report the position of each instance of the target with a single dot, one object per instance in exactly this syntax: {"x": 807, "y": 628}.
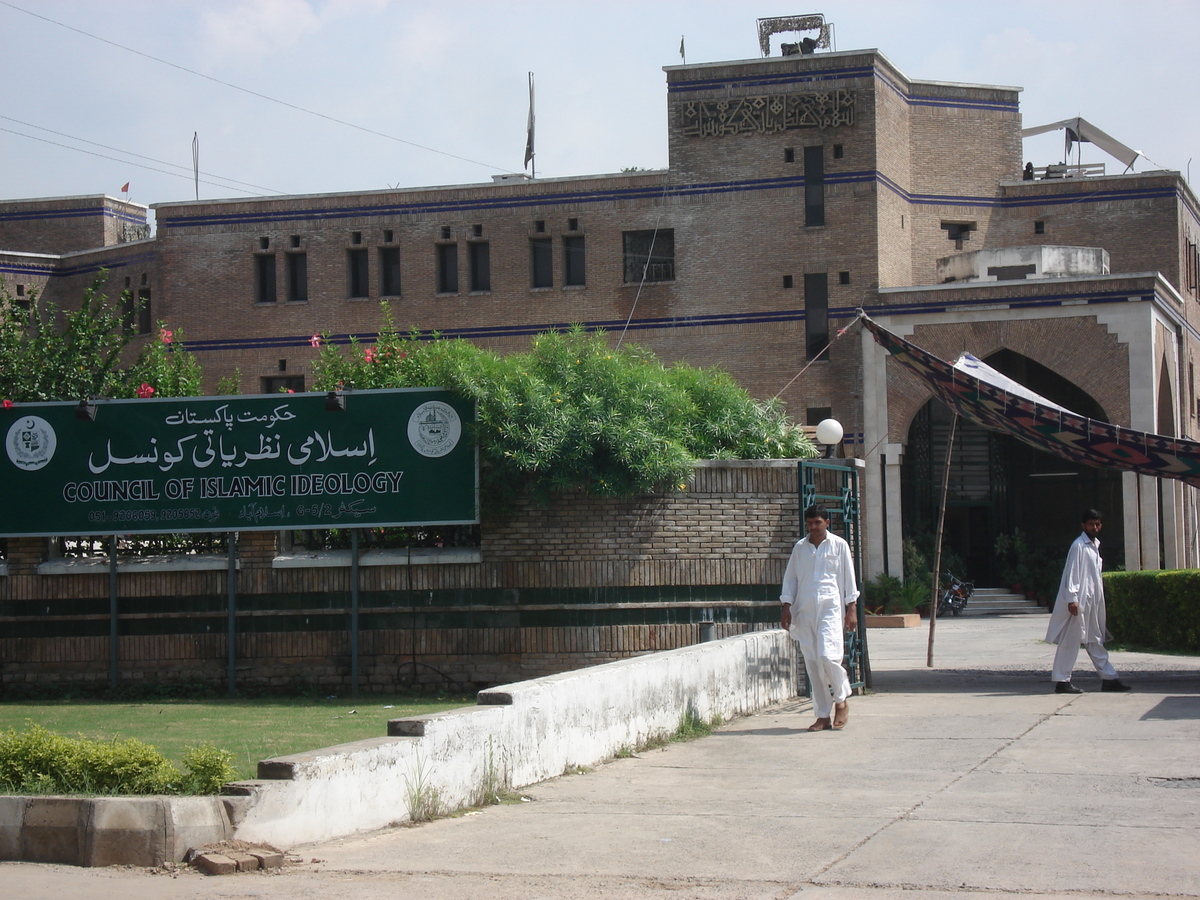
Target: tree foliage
{"x": 47, "y": 354}
{"x": 574, "y": 413}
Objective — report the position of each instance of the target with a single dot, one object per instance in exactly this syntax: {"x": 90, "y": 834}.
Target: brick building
{"x": 799, "y": 189}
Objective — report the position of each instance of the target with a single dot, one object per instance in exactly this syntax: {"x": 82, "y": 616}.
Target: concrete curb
{"x": 108, "y": 831}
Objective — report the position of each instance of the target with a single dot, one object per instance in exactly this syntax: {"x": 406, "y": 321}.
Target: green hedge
{"x": 1159, "y": 610}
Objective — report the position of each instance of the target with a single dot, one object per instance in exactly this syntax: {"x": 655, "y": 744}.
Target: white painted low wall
{"x": 519, "y": 734}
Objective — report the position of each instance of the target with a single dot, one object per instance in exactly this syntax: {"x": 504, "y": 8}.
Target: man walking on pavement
{"x": 819, "y": 599}
{"x": 1079, "y": 615}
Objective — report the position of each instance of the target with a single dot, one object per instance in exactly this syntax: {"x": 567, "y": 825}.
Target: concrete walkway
{"x": 968, "y": 780}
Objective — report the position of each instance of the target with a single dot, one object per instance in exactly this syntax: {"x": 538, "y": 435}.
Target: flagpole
{"x": 196, "y": 160}
{"x": 530, "y": 156}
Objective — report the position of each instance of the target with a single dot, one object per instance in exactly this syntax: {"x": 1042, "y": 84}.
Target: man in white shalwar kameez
{"x": 819, "y": 598}
{"x": 1079, "y": 615}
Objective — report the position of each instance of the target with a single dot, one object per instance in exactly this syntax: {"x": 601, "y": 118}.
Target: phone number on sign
{"x": 186, "y": 514}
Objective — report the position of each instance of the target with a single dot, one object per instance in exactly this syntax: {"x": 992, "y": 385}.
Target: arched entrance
{"x": 998, "y": 484}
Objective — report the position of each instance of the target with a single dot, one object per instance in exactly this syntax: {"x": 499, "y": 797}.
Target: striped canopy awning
{"x": 983, "y": 396}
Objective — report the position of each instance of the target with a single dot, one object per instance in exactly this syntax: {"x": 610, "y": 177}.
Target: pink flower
{"x": 8, "y": 404}
{"x": 144, "y": 390}
{"x": 404, "y": 356}
{"x": 290, "y": 391}
{"x": 315, "y": 340}
{"x": 370, "y": 354}
{"x": 166, "y": 335}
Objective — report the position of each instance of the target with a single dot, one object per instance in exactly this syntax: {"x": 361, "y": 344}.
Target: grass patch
{"x": 250, "y": 729}
{"x": 691, "y": 727}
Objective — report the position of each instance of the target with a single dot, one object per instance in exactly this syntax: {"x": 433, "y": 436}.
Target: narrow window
{"x": 572, "y": 224}
{"x": 388, "y": 235}
{"x": 787, "y": 281}
{"x": 356, "y": 264}
{"x": 264, "y": 277}
{"x": 539, "y": 225}
{"x": 295, "y": 242}
{"x": 649, "y": 255}
{"x": 264, "y": 243}
{"x": 481, "y": 265}
{"x": 356, "y": 237}
{"x": 843, "y": 277}
{"x": 573, "y": 260}
{"x": 389, "y": 271}
{"x": 1039, "y": 227}
{"x": 477, "y": 230}
{"x": 816, "y": 314}
{"x": 297, "y": 277}
{"x": 789, "y": 154}
{"x": 541, "y": 265}
{"x": 445, "y": 232}
{"x": 838, "y": 152}
{"x": 145, "y": 314}
{"x": 814, "y": 186}
{"x": 447, "y": 268}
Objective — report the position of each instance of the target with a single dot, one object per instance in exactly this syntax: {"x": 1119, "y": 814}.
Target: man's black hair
{"x": 817, "y": 511}
{"x": 1089, "y": 514}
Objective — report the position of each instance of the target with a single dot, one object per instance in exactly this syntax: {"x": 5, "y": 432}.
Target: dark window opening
{"x": 264, "y": 243}
{"x": 572, "y": 224}
{"x": 389, "y": 271}
{"x": 481, "y": 265}
{"x": 541, "y": 263}
{"x": 128, "y": 312}
{"x": 815, "y": 415}
{"x": 573, "y": 261}
{"x": 1039, "y": 227}
{"x": 814, "y": 186}
{"x": 283, "y": 365}
{"x": 445, "y": 232}
{"x": 295, "y": 241}
{"x": 388, "y": 235}
{"x": 816, "y": 314}
{"x": 1012, "y": 273}
{"x": 838, "y": 152}
{"x": 21, "y": 288}
{"x": 264, "y": 278}
{"x": 447, "y": 268}
{"x": 145, "y": 315}
{"x": 787, "y": 281}
{"x": 649, "y": 255}
{"x": 539, "y": 226}
{"x": 789, "y": 154}
{"x": 297, "y": 274}
{"x": 144, "y": 279}
{"x": 958, "y": 232}
{"x": 356, "y": 237}
{"x": 843, "y": 277}
{"x": 477, "y": 230}
{"x": 359, "y": 277}
{"x": 277, "y": 384}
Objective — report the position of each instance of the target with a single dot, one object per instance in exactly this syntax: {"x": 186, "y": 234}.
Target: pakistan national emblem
{"x": 30, "y": 443}
{"x": 434, "y": 429}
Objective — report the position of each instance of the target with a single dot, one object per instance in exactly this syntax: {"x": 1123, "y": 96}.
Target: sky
{"x": 94, "y": 95}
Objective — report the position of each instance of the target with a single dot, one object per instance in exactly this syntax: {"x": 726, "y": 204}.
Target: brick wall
{"x": 580, "y": 582}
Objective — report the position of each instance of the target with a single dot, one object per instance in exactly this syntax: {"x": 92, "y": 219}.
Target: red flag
{"x": 125, "y": 190}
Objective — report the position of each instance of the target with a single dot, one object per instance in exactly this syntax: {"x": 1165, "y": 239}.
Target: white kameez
{"x": 818, "y": 585}
{"x": 1082, "y": 584}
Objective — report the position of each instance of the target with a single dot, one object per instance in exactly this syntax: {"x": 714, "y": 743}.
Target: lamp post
{"x": 829, "y": 433}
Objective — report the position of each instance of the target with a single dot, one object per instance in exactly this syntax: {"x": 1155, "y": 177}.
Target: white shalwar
{"x": 818, "y": 585}
{"x": 1082, "y": 584}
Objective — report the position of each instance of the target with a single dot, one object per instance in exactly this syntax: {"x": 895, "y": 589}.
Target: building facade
{"x": 799, "y": 189}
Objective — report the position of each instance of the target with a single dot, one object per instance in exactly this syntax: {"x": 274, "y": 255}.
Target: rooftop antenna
{"x": 806, "y": 45}
{"x": 196, "y": 161}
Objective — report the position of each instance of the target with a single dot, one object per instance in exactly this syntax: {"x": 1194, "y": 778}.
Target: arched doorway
{"x": 998, "y": 484}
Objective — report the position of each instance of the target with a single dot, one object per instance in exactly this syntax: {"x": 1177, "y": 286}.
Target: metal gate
{"x": 834, "y": 483}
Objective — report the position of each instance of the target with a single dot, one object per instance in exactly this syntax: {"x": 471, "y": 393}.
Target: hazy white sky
{"x": 451, "y": 76}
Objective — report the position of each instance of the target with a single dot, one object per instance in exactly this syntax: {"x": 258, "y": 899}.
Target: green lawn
{"x": 250, "y": 729}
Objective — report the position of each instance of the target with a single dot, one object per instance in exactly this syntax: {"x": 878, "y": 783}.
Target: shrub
{"x": 574, "y": 413}
{"x": 39, "y": 761}
{"x": 1155, "y": 610}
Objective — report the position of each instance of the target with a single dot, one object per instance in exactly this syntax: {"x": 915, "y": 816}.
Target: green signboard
{"x": 279, "y": 461}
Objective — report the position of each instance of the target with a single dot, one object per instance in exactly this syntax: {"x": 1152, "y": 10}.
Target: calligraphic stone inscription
{"x": 763, "y": 115}
{"x": 281, "y": 461}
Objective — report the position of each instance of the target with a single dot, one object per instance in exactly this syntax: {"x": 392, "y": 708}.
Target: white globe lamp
{"x": 829, "y": 433}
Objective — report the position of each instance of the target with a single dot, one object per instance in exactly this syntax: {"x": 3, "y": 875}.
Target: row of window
{"x": 646, "y": 256}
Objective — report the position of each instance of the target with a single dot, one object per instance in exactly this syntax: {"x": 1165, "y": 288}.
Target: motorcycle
{"x": 955, "y": 595}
